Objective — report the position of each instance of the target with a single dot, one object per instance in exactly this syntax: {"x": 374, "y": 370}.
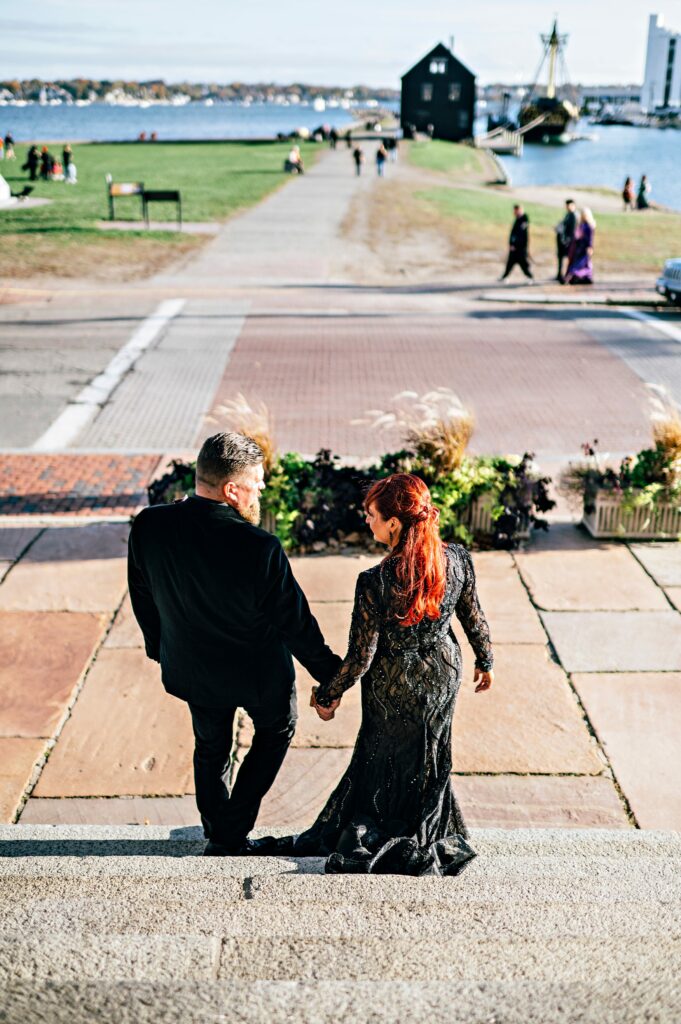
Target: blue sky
{"x": 372, "y": 41}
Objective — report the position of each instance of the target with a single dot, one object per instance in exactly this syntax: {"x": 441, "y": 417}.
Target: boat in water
{"x": 544, "y": 117}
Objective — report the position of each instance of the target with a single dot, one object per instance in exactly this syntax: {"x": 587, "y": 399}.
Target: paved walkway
{"x": 276, "y": 307}
{"x": 580, "y": 730}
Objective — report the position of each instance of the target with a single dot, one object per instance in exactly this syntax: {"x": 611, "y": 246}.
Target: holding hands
{"x": 483, "y": 679}
{"x": 326, "y": 714}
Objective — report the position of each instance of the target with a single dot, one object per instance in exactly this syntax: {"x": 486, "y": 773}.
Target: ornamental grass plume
{"x": 252, "y": 419}
{"x": 666, "y": 424}
{"x": 435, "y": 426}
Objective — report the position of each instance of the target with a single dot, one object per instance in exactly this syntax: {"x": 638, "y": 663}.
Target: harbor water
{"x": 614, "y": 153}
{"x": 102, "y": 122}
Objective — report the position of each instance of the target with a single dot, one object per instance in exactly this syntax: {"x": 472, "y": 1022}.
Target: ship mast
{"x": 553, "y": 44}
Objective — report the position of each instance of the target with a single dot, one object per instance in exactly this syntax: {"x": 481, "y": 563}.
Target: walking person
{"x": 358, "y": 157}
{"x": 580, "y": 265}
{"x": 381, "y": 157}
{"x": 644, "y": 190}
{"x": 46, "y": 164}
{"x": 9, "y": 147}
{"x": 628, "y": 195}
{"x": 333, "y": 138}
{"x": 221, "y": 611}
{"x": 394, "y": 810}
{"x": 32, "y": 161}
{"x": 565, "y": 233}
{"x": 518, "y": 245}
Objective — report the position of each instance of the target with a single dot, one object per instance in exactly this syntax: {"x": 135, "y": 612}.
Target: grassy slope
{"x": 480, "y": 219}
{"x": 216, "y": 180}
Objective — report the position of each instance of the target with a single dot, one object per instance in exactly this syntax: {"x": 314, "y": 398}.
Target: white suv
{"x": 669, "y": 284}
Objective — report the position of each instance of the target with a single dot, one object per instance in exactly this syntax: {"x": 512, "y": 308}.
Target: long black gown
{"x": 394, "y": 810}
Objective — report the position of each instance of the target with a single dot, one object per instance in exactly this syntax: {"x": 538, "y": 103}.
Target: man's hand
{"x": 326, "y": 714}
{"x": 483, "y": 679}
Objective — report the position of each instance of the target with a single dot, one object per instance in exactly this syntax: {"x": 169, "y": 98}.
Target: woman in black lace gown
{"x": 394, "y": 810}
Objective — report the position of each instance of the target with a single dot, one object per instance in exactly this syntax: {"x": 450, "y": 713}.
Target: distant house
{"x": 439, "y": 91}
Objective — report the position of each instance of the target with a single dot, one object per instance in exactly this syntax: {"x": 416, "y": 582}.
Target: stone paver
{"x": 126, "y": 736}
{"x": 15, "y": 539}
{"x": 565, "y": 571}
{"x": 177, "y": 811}
{"x": 125, "y": 632}
{"x": 330, "y": 578}
{"x": 76, "y": 569}
{"x": 42, "y": 658}
{"x": 674, "y": 595}
{"x": 18, "y": 756}
{"x": 517, "y": 801}
{"x": 509, "y": 611}
{"x": 662, "y": 560}
{"x": 638, "y": 719}
{"x": 83, "y": 485}
{"x": 305, "y": 782}
{"x": 528, "y": 722}
{"x": 616, "y": 641}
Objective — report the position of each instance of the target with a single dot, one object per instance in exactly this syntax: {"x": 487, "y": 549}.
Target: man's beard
{"x": 251, "y": 513}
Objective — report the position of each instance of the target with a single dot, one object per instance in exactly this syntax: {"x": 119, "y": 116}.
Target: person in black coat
{"x": 221, "y": 611}
{"x": 518, "y": 245}
{"x": 565, "y": 236}
{"x": 32, "y": 161}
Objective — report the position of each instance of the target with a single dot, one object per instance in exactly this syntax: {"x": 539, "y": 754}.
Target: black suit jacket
{"x": 519, "y": 238}
{"x": 219, "y": 606}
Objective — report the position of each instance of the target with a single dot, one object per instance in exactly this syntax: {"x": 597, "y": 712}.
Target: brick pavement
{"x": 537, "y": 383}
{"x": 83, "y": 485}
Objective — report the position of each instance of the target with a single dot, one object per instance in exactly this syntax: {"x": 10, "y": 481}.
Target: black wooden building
{"x": 438, "y": 95}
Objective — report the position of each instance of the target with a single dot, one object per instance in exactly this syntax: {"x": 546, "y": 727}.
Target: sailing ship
{"x": 546, "y": 118}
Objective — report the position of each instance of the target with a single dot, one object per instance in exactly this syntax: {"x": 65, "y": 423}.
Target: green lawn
{"x": 448, "y": 158}
{"x": 215, "y": 179}
{"x": 636, "y": 242}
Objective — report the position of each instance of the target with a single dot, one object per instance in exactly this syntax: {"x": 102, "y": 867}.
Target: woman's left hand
{"x": 483, "y": 679}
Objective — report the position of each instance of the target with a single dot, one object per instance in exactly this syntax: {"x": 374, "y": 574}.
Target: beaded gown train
{"x": 394, "y": 810}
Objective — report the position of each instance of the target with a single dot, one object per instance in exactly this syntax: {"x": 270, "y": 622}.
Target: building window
{"x": 438, "y": 67}
{"x": 463, "y": 120}
{"x": 454, "y": 92}
{"x": 426, "y": 92}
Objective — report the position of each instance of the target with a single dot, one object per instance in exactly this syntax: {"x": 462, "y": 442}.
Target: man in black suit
{"x": 221, "y": 611}
{"x": 565, "y": 236}
{"x": 518, "y": 245}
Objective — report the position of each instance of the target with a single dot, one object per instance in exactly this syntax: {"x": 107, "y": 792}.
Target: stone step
{"x": 275, "y": 878}
{"x": 69, "y": 957}
{"x": 524, "y": 912}
{"x": 449, "y": 957}
{"x": 63, "y": 957}
{"x": 625, "y": 1001}
{"x": 155, "y": 840}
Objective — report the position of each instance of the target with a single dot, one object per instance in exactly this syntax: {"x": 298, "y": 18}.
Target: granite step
{"x": 627, "y": 1001}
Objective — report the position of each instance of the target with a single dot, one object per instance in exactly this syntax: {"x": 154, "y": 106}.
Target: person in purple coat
{"x": 580, "y": 266}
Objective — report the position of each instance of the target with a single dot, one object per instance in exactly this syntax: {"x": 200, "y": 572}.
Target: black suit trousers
{"x": 228, "y": 817}
{"x": 520, "y": 258}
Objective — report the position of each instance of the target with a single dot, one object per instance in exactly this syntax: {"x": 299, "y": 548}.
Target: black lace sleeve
{"x": 364, "y": 630}
{"x": 471, "y": 616}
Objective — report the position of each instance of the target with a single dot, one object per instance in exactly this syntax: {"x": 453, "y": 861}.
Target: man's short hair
{"x": 569, "y": 202}
{"x": 224, "y": 456}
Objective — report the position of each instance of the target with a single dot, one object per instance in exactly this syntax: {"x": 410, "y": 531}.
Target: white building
{"x": 662, "y": 85}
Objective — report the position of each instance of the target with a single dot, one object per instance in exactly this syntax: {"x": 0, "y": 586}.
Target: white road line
{"x": 85, "y": 406}
{"x": 672, "y": 332}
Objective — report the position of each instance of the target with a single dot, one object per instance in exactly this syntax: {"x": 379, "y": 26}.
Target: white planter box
{"x": 609, "y": 520}
{"x": 479, "y": 518}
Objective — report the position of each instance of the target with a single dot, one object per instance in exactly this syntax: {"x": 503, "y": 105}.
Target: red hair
{"x": 419, "y": 554}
